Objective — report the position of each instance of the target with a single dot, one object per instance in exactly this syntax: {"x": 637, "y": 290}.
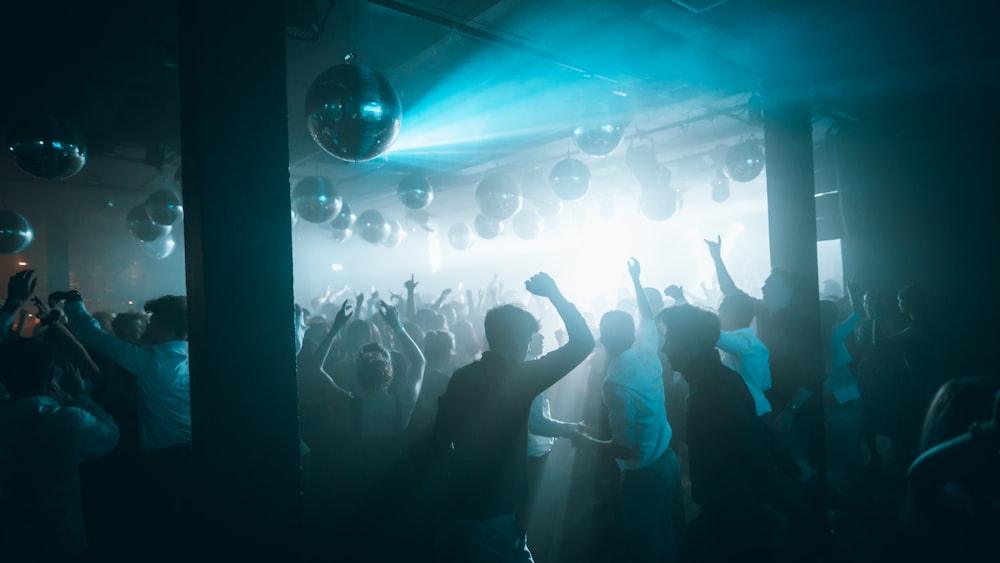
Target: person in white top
{"x": 640, "y": 434}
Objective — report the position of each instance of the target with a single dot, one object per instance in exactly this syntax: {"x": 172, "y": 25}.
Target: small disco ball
{"x": 396, "y": 234}
{"x": 658, "y": 203}
{"x": 352, "y": 112}
{"x": 144, "y": 228}
{"x": 47, "y": 147}
{"x": 340, "y": 235}
{"x": 345, "y": 219}
{"x": 600, "y": 138}
{"x": 16, "y": 233}
{"x": 744, "y": 161}
{"x": 415, "y": 192}
{"x": 570, "y": 179}
{"x": 527, "y": 224}
{"x": 315, "y": 199}
{"x": 461, "y": 236}
{"x": 160, "y": 248}
{"x": 487, "y": 228}
{"x": 373, "y": 226}
{"x": 164, "y": 207}
{"x": 499, "y": 197}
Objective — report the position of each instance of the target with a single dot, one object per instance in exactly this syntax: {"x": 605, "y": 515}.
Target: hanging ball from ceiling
{"x": 499, "y": 197}
{"x": 144, "y": 228}
{"x": 340, "y": 235}
{"x": 315, "y": 199}
{"x": 487, "y": 228}
{"x": 460, "y": 236}
{"x": 744, "y": 161}
{"x": 345, "y": 219}
{"x": 47, "y": 147}
{"x": 164, "y": 207}
{"x": 396, "y": 234}
{"x": 16, "y": 233}
{"x": 415, "y": 191}
{"x": 528, "y": 224}
{"x": 373, "y": 226}
{"x": 658, "y": 203}
{"x": 161, "y": 247}
{"x": 599, "y": 138}
{"x": 352, "y": 112}
{"x": 570, "y": 179}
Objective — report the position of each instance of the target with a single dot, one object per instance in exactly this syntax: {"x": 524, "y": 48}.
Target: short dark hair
{"x": 25, "y": 365}
{"x": 504, "y": 323}
{"x": 438, "y": 346}
{"x": 698, "y": 325}
{"x": 120, "y": 324}
{"x": 170, "y": 310}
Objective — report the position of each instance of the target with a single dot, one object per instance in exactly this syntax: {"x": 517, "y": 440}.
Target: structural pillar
{"x": 238, "y": 250}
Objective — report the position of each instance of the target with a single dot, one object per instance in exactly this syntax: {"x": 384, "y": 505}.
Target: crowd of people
{"x": 440, "y": 428}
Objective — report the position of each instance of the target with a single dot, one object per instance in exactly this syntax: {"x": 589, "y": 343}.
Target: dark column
{"x": 239, "y": 277}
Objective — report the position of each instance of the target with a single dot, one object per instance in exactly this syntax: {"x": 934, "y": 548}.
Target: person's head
{"x": 167, "y": 319}
{"x": 874, "y": 302}
{"x": 736, "y": 311}
{"x": 439, "y": 347}
{"x": 374, "y": 367}
{"x": 509, "y": 329}
{"x": 617, "y": 332}
{"x": 26, "y": 366}
{"x": 912, "y": 300}
{"x": 429, "y": 319}
{"x": 689, "y": 333}
{"x": 537, "y": 345}
{"x": 130, "y": 326}
{"x": 358, "y": 332}
{"x": 956, "y": 405}
{"x": 780, "y": 289}
{"x": 466, "y": 338}
{"x": 105, "y": 319}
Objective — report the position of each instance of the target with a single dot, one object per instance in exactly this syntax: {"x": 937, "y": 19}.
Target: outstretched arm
{"x": 19, "y": 290}
{"x": 726, "y": 283}
{"x": 414, "y": 376}
{"x": 411, "y": 303}
{"x": 645, "y": 310}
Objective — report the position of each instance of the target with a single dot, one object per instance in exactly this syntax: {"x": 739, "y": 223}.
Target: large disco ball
{"x": 499, "y": 197}
{"x": 415, "y": 191}
{"x": 340, "y": 235}
{"x": 164, "y": 207}
{"x": 461, "y": 236}
{"x": 527, "y": 224}
{"x": 47, "y": 147}
{"x": 160, "y": 248}
{"x": 144, "y": 228}
{"x": 373, "y": 227}
{"x": 352, "y": 112}
{"x": 345, "y": 219}
{"x": 16, "y": 233}
{"x": 487, "y": 228}
{"x": 599, "y": 139}
{"x": 315, "y": 199}
{"x": 744, "y": 161}
{"x": 658, "y": 203}
{"x": 396, "y": 234}
{"x": 570, "y": 179}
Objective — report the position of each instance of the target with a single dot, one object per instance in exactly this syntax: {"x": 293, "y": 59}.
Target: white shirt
{"x": 633, "y": 393}
{"x": 162, "y": 377}
{"x": 745, "y": 354}
{"x": 41, "y": 445}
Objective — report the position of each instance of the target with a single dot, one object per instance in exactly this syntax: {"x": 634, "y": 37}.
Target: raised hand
{"x": 675, "y": 292}
{"x": 715, "y": 247}
{"x": 542, "y": 285}
{"x": 359, "y": 300}
{"x": 21, "y": 286}
{"x": 390, "y": 314}
{"x": 634, "y": 268}
{"x": 343, "y": 315}
{"x": 410, "y": 284}
{"x": 445, "y": 294}
{"x": 394, "y": 297}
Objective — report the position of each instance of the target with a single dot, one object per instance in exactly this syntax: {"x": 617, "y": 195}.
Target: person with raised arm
{"x": 640, "y": 434}
{"x": 482, "y": 429}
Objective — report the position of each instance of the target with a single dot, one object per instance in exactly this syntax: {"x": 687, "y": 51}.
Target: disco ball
{"x": 600, "y": 138}
{"x": 144, "y": 228}
{"x": 315, "y": 199}
{"x": 487, "y": 228}
{"x": 160, "y": 248}
{"x": 345, "y": 219}
{"x": 658, "y": 203}
{"x": 47, "y": 147}
{"x": 548, "y": 207}
{"x": 396, "y": 234}
{"x": 527, "y": 224}
{"x": 415, "y": 192}
{"x": 164, "y": 207}
{"x": 499, "y": 197}
{"x": 373, "y": 226}
{"x": 461, "y": 236}
{"x": 570, "y": 179}
{"x": 352, "y": 112}
{"x": 16, "y": 233}
{"x": 720, "y": 189}
{"x": 744, "y": 161}
{"x": 340, "y": 235}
